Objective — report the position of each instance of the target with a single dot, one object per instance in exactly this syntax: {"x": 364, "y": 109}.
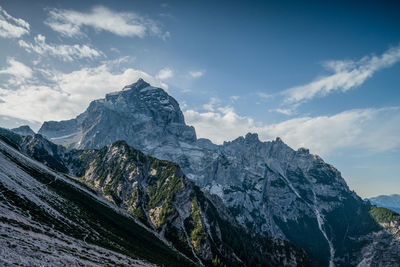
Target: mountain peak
{"x": 139, "y": 84}
{"x": 23, "y": 130}
{"x": 252, "y": 137}
{"x": 143, "y": 115}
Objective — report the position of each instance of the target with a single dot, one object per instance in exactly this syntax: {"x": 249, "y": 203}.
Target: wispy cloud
{"x": 65, "y": 52}
{"x": 346, "y": 75}
{"x": 285, "y": 111}
{"x": 211, "y": 105}
{"x": 322, "y": 134}
{"x": 263, "y": 95}
{"x": 128, "y": 24}
{"x": 165, "y": 73}
{"x": 18, "y": 71}
{"x": 11, "y": 27}
{"x": 196, "y": 74}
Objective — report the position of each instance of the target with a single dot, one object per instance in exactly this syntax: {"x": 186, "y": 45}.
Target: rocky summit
{"x": 23, "y": 130}
{"x": 269, "y": 188}
{"x": 144, "y": 116}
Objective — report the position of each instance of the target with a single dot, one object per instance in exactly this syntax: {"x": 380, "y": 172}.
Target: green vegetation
{"x": 383, "y": 215}
{"x": 139, "y": 212}
{"x": 217, "y": 262}
{"x": 198, "y": 235}
{"x": 165, "y": 185}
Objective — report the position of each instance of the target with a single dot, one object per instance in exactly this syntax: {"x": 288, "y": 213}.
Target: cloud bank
{"x": 375, "y": 130}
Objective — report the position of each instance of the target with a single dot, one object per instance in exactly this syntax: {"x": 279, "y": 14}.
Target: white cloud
{"x": 346, "y": 75}
{"x": 220, "y": 125}
{"x": 210, "y": 106}
{"x": 375, "y": 130}
{"x": 165, "y": 73}
{"x": 11, "y": 27}
{"x": 71, "y": 23}
{"x": 263, "y": 95}
{"x": 65, "y": 52}
{"x": 18, "y": 71}
{"x": 66, "y": 95}
{"x": 196, "y": 74}
{"x": 285, "y": 111}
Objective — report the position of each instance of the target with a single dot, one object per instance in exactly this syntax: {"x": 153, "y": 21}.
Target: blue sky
{"x": 319, "y": 74}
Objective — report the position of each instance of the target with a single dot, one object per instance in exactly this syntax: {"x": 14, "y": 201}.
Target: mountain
{"x": 23, "y": 130}
{"x": 145, "y": 117}
{"x": 270, "y": 188}
{"x": 391, "y": 202}
{"x": 49, "y": 219}
{"x": 165, "y": 201}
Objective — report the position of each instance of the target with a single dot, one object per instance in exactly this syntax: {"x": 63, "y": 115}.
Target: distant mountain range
{"x": 245, "y": 202}
{"x": 391, "y": 202}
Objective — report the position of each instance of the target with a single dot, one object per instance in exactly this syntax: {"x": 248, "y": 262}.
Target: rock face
{"x": 162, "y": 198}
{"x": 23, "y": 130}
{"x": 391, "y": 202}
{"x": 268, "y": 187}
